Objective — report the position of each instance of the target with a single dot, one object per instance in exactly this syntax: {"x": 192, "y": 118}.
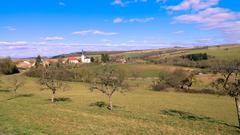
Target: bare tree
{"x": 188, "y": 81}
{"x": 230, "y": 82}
{"x": 16, "y": 83}
{"x": 0, "y": 80}
{"x": 108, "y": 81}
{"x": 50, "y": 80}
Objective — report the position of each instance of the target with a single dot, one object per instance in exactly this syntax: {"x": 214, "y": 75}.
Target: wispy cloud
{"x": 118, "y": 20}
{"x": 178, "y": 32}
{"x": 209, "y": 17}
{"x": 13, "y": 43}
{"x": 10, "y": 28}
{"x": 53, "y": 38}
{"x": 193, "y": 5}
{"x": 106, "y": 40}
{"x": 118, "y": 2}
{"x": 132, "y": 20}
{"x": 161, "y": 1}
{"x": 94, "y": 32}
{"x": 213, "y": 18}
{"x": 61, "y": 3}
{"x": 126, "y": 2}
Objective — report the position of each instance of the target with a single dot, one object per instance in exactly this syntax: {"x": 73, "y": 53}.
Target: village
{"x": 72, "y": 60}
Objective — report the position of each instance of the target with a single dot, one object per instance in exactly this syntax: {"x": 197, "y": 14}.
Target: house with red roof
{"x": 73, "y": 60}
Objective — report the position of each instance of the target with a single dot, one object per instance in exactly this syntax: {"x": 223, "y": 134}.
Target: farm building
{"x": 72, "y": 60}
{"x": 25, "y": 64}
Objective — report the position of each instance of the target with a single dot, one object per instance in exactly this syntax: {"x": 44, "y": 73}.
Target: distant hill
{"x": 91, "y": 53}
{"x": 231, "y": 51}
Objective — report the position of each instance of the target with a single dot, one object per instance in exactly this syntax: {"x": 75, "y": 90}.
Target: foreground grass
{"x": 140, "y": 111}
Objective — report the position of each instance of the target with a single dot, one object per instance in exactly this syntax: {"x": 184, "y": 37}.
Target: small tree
{"x": 39, "y": 61}
{"x": 7, "y": 66}
{"x": 179, "y": 79}
{"x": 230, "y": 82}
{"x": 49, "y": 80}
{"x": 0, "y": 81}
{"x": 108, "y": 81}
{"x": 105, "y": 58}
{"x": 188, "y": 81}
{"x": 16, "y": 83}
{"x": 176, "y": 78}
{"x": 92, "y": 59}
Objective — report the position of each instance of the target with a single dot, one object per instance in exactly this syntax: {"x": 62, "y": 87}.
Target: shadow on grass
{"x": 193, "y": 117}
{"x": 20, "y": 96}
{"x": 61, "y": 99}
{"x": 102, "y": 104}
{"x": 17, "y": 96}
{"x": 4, "y": 91}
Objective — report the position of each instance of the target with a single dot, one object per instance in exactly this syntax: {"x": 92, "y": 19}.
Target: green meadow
{"x": 140, "y": 111}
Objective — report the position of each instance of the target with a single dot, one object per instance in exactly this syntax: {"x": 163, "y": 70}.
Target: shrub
{"x": 7, "y": 67}
{"x": 105, "y": 58}
{"x": 84, "y": 75}
{"x": 176, "y": 78}
{"x": 60, "y": 73}
{"x": 196, "y": 57}
{"x": 179, "y": 79}
{"x": 159, "y": 86}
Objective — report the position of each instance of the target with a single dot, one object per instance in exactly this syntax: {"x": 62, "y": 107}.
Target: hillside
{"x": 225, "y": 52}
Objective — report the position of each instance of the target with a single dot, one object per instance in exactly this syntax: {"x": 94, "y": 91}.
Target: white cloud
{"x": 161, "y": 1}
{"x": 13, "y": 43}
{"x": 213, "y": 18}
{"x": 141, "y": 20}
{"x": 105, "y": 40}
{"x": 132, "y": 41}
{"x": 118, "y": 2}
{"x": 193, "y": 5}
{"x": 10, "y": 28}
{"x": 53, "y": 38}
{"x": 126, "y": 2}
{"x": 94, "y": 32}
{"x": 118, "y": 20}
{"x": 178, "y": 32}
{"x": 209, "y": 18}
{"x": 61, "y": 3}
{"x": 132, "y": 20}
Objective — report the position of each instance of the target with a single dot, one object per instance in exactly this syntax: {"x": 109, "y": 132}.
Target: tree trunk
{"x": 110, "y": 106}
{"x": 53, "y": 96}
{"x": 15, "y": 92}
{"x": 237, "y": 101}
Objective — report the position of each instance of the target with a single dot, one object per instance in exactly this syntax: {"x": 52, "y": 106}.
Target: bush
{"x": 84, "y": 75}
{"x": 202, "y": 91}
{"x": 196, "y": 57}
{"x": 7, "y": 67}
{"x": 61, "y": 74}
{"x": 159, "y": 86}
{"x": 178, "y": 79}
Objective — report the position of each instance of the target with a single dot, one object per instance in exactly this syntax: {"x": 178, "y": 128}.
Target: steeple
{"x": 82, "y": 52}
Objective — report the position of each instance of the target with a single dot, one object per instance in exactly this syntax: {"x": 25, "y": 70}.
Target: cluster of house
{"x": 25, "y": 64}
{"x": 75, "y": 60}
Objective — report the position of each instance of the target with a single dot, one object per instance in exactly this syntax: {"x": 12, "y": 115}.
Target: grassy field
{"x": 141, "y": 111}
{"x": 140, "y": 70}
{"x": 225, "y": 52}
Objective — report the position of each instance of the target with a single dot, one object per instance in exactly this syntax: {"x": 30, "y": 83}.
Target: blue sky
{"x": 51, "y": 27}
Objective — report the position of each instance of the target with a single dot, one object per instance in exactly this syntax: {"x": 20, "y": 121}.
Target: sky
{"x": 50, "y": 27}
